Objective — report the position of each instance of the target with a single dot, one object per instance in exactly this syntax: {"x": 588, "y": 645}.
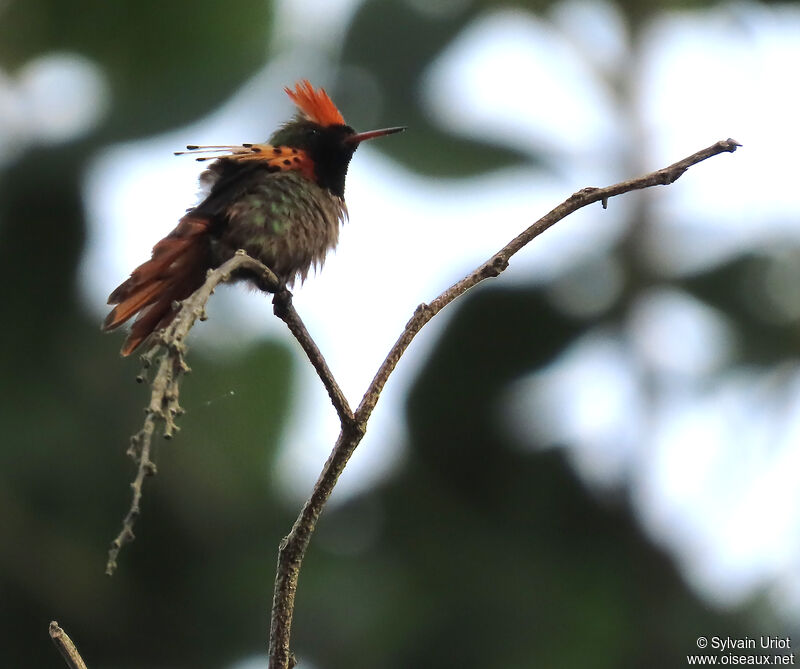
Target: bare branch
{"x": 284, "y": 309}
{"x": 293, "y": 547}
{"x": 498, "y": 263}
{"x": 170, "y": 345}
{"x": 164, "y": 406}
{"x": 65, "y": 646}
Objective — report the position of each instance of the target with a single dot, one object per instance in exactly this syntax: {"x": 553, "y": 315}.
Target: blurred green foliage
{"x": 474, "y": 554}
{"x": 187, "y": 56}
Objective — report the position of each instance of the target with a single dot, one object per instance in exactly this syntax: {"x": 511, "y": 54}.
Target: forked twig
{"x": 293, "y": 547}
{"x": 168, "y": 352}
{"x": 170, "y": 345}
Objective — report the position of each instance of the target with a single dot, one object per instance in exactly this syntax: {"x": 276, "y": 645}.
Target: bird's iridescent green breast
{"x": 285, "y": 220}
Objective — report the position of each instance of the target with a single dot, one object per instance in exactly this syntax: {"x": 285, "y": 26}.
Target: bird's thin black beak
{"x": 372, "y": 134}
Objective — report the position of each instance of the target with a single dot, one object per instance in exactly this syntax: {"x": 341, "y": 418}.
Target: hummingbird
{"x": 282, "y": 202}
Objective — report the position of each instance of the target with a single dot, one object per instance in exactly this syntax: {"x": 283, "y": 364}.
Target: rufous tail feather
{"x": 176, "y": 269}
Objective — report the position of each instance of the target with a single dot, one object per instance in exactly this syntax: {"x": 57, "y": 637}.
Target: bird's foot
{"x": 282, "y": 300}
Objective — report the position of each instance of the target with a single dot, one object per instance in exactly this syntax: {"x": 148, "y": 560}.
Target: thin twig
{"x": 164, "y": 406}
{"x": 284, "y": 309}
{"x": 293, "y": 547}
{"x": 65, "y": 646}
{"x": 498, "y": 263}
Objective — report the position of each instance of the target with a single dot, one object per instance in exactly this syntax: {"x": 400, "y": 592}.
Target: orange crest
{"x": 316, "y": 105}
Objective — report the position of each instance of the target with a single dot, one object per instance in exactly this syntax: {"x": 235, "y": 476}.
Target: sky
{"x": 731, "y": 519}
